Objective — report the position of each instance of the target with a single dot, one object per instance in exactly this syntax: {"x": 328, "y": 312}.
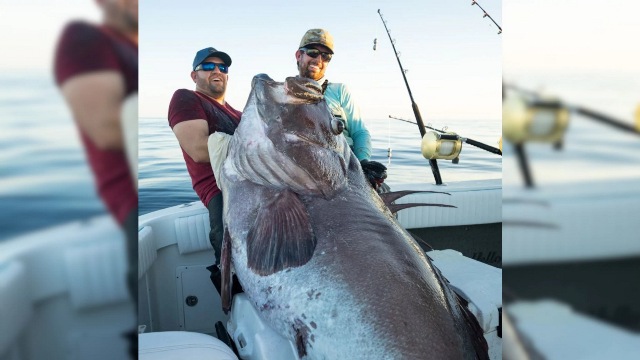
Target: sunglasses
{"x": 210, "y": 66}
{"x": 315, "y": 52}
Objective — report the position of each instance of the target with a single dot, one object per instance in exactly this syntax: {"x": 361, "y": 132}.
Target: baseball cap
{"x": 317, "y": 36}
{"x": 210, "y": 52}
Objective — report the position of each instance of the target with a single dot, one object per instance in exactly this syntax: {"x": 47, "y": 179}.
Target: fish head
{"x": 305, "y": 137}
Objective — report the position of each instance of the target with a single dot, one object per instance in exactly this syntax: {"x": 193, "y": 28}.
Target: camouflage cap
{"x": 317, "y": 36}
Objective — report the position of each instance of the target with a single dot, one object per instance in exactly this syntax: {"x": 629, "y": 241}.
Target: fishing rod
{"x": 469, "y": 141}
{"x": 432, "y": 162}
{"x": 589, "y": 113}
{"x": 486, "y": 14}
{"x": 530, "y": 110}
{"x": 606, "y": 119}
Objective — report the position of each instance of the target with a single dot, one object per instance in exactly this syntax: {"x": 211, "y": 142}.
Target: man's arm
{"x": 357, "y": 130}
{"x": 192, "y": 136}
{"x": 95, "y": 99}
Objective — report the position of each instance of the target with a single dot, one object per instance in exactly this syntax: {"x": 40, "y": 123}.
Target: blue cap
{"x": 203, "y": 54}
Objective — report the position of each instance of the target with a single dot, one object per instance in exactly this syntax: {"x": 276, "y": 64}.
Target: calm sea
{"x": 44, "y": 179}
{"x": 164, "y": 181}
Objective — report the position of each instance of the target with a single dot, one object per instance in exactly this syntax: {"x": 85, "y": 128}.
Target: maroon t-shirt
{"x": 85, "y": 48}
{"x": 190, "y": 105}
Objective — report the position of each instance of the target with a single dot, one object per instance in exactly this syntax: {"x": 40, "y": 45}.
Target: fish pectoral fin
{"x": 225, "y": 262}
{"x": 394, "y": 208}
{"x": 281, "y": 236}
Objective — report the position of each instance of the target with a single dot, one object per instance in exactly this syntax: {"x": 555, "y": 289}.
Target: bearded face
{"x": 212, "y": 83}
{"x": 312, "y": 68}
{"x": 124, "y": 13}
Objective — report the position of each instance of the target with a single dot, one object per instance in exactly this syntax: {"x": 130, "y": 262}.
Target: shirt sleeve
{"x": 83, "y": 48}
{"x": 357, "y": 129}
{"x": 184, "y": 106}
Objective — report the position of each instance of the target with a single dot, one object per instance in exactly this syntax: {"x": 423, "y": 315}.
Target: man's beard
{"x": 217, "y": 89}
{"x": 125, "y": 20}
{"x": 131, "y": 22}
{"x": 306, "y": 72}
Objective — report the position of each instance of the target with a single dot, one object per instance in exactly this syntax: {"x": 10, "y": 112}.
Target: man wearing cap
{"x": 313, "y": 57}
{"x": 193, "y": 116}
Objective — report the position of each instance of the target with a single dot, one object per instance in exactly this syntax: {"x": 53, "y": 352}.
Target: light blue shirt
{"x": 340, "y": 101}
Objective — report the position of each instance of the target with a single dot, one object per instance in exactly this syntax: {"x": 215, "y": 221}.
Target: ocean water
{"x": 164, "y": 181}
{"x": 44, "y": 178}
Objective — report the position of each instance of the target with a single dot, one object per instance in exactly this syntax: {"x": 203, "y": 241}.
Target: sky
{"x": 585, "y": 52}
{"x": 30, "y": 30}
{"x": 571, "y": 35}
{"x": 454, "y": 57}
{"x": 452, "y": 54}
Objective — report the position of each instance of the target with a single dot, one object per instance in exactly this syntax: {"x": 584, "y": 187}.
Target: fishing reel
{"x": 445, "y": 146}
{"x": 539, "y": 119}
{"x": 440, "y": 144}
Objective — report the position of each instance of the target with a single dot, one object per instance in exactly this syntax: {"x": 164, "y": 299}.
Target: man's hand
{"x": 375, "y": 172}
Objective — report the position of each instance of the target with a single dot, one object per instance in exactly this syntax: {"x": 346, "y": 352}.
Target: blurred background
{"x": 571, "y": 179}
{"x": 45, "y": 179}
{"x": 62, "y": 255}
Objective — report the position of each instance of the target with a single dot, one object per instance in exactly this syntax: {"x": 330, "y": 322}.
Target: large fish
{"x": 317, "y": 251}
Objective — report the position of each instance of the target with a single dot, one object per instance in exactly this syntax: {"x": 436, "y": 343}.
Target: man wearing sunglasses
{"x": 313, "y": 57}
{"x": 193, "y": 116}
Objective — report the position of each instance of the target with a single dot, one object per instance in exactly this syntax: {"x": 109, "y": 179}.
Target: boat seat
{"x": 192, "y": 233}
{"x": 170, "y": 345}
{"x": 95, "y": 273}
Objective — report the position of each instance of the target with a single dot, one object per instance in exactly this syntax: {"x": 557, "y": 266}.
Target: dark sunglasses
{"x": 315, "y": 52}
{"x": 209, "y": 66}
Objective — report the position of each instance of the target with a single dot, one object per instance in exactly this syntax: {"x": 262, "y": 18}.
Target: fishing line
{"x": 389, "y": 151}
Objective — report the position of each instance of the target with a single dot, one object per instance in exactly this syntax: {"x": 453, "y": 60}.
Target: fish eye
{"x": 337, "y": 126}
